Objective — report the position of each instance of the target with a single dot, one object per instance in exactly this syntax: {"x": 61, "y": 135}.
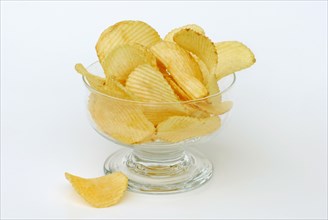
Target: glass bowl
{"x": 158, "y": 157}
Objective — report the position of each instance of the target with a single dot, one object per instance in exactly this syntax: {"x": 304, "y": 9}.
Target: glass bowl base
{"x": 161, "y": 173}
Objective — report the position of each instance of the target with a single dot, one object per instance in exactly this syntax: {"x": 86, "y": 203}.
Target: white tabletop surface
{"x": 270, "y": 160}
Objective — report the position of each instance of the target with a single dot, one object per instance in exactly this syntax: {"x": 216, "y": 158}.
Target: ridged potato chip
{"x": 123, "y": 121}
{"x": 176, "y": 88}
{"x": 169, "y": 36}
{"x": 158, "y": 113}
{"x": 181, "y": 67}
{"x": 95, "y": 82}
{"x": 125, "y": 32}
{"x": 148, "y": 85}
{"x": 179, "y": 128}
{"x": 195, "y": 111}
{"x": 233, "y": 56}
{"x": 198, "y": 44}
{"x": 215, "y": 106}
{"x": 122, "y": 60}
{"x": 100, "y": 192}
{"x": 183, "y": 96}
{"x": 110, "y": 87}
{"x": 209, "y": 79}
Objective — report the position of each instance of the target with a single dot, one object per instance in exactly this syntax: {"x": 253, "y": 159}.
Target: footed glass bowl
{"x": 157, "y": 137}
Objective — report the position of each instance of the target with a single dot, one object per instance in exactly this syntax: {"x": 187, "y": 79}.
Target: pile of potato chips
{"x": 161, "y": 90}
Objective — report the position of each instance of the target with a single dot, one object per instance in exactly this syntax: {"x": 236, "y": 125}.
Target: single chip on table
{"x": 179, "y": 128}
{"x": 100, "y": 192}
{"x": 233, "y": 56}
{"x": 125, "y": 32}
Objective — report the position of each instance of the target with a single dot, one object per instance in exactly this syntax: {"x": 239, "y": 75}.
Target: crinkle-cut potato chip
{"x": 95, "y": 82}
{"x": 233, "y": 56}
{"x": 114, "y": 88}
{"x": 158, "y": 113}
{"x": 215, "y": 107}
{"x": 177, "y": 89}
{"x": 209, "y": 79}
{"x": 122, "y": 60}
{"x": 182, "y": 68}
{"x": 194, "y": 111}
{"x": 183, "y": 96}
{"x": 179, "y": 128}
{"x": 198, "y": 29}
{"x": 110, "y": 87}
{"x": 183, "y": 57}
{"x": 123, "y": 121}
{"x": 100, "y": 192}
{"x": 125, "y": 32}
{"x": 198, "y": 44}
{"x": 148, "y": 85}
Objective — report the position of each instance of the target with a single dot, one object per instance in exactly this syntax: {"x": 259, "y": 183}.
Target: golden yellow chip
{"x": 169, "y": 36}
{"x": 111, "y": 87}
{"x": 161, "y": 112}
{"x": 209, "y": 79}
{"x": 122, "y": 120}
{"x": 148, "y": 85}
{"x": 198, "y": 44}
{"x": 95, "y": 82}
{"x": 100, "y": 192}
{"x": 194, "y": 111}
{"x": 181, "y": 67}
{"x": 215, "y": 106}
{"x": 183, "y": 96}
{"x": 125, "y": 32}
{"x": 122, "y": 60}
{"x": 179, "y": 128}
{"x": 233, "y": 56}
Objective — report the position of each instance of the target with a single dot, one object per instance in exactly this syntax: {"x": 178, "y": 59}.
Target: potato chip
{"x": 194, "y": 111}
{"x": 122, "y": 60}
{"x": 233, "y": 56}
{"x": 100, "y": 192}
{"x": 215, "y": 106}
{"x": 176, "y": 88}
{"x": 125, "y": 32}
{"x": 198, "y": 44}
{"x": 209, "y": 79}
{"x": 179, "y": 128}
{"x": 161, "y": 112}
{"x": 183, "y": 69}
{"x": 115, "y": 89}
{"x": 95, "y": 82}
{"x": 110, "y": 87}
{"x": 122, "y": 120}
{"x": 169, "y": 36}
{"x": 148, "y": 85}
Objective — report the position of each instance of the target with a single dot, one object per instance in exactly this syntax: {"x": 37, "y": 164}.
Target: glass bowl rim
{"x": 86, "y": 83}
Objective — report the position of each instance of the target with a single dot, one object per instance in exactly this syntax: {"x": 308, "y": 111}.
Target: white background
{"x": 270, "y": 161}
